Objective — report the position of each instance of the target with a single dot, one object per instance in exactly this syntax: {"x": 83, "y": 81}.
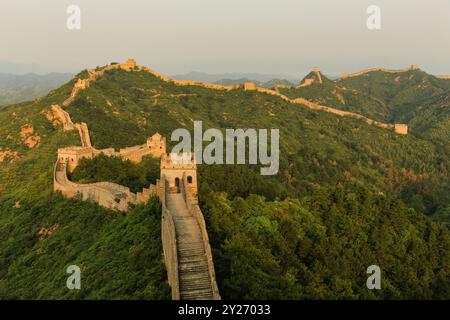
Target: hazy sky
{"x": 215, "y": 36}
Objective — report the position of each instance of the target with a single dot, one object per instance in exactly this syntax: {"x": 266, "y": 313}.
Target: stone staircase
{"x": 194, "y": 278}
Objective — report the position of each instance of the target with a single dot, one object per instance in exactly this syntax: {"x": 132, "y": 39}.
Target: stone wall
{"x": 107, "y": 194}
{"x": 63, "y": 117}
{"x": 363, "y": 72}
{"x": 192, "y": 204}
{"x": 169, "y": 242}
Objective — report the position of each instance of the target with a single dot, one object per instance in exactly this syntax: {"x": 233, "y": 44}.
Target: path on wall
{"x": 193, "y": 274}
{"x": 84, "y": 134}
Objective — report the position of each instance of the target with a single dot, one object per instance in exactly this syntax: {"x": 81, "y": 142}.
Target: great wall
{"x": 187, "y": 252}
{"x": 366, "y": 71}
{"x": 131, "y": 65}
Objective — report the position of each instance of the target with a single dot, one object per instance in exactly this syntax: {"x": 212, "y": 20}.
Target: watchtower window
{"x": 189, "y": 179}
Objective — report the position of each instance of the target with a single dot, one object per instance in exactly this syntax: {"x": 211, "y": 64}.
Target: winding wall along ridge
{"x": 131, "y": 65}
{"x": 366, "y": 71}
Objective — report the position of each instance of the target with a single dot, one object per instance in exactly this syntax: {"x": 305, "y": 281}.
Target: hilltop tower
{"x": 129, "y": 65}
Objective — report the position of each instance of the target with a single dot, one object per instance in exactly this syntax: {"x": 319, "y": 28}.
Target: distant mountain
{"x": 269, "y": 84}
{"x": 210, "y": 78}
{"x": 18, "y": 88}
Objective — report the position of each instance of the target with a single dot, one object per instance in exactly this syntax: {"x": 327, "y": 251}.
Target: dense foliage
{"x": 113, "y": 169}
{"x": 119, "y": 255}
{"x": 321, "y": 246}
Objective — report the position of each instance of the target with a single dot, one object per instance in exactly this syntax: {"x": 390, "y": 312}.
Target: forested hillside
{"x": 348, "y": 195}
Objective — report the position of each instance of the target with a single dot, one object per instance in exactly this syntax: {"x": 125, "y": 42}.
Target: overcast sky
{"x": 216, "y": 36}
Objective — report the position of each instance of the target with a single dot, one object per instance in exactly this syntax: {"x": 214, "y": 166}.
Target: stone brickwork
{"x": 107, "y": 194}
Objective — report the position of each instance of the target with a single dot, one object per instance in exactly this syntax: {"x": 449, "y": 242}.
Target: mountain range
{"x": 18, "y": 88}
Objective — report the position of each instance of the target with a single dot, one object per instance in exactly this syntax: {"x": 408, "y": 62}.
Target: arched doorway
{"x": 177, "y": 184}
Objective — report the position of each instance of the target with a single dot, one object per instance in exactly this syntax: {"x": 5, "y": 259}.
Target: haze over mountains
{"x": 16, "y": 88}
{"x": 214, "y": 77}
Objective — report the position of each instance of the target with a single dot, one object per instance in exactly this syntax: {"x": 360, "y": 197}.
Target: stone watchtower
{"x": 73, "y": 155}
{"x": 174, "y": 167}
{"x": 157, "y": 145}
{"x": 129, "y": 65}
{"x": 248, "y": 86}
{"x": 401, "y": 128}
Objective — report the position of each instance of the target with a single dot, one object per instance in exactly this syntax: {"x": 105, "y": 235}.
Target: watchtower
{"x": 401, "y": 128}
{"x": 157, "y": 145}
{"x": 73, "y": 155}
{"x": 129, "y": 65}
{"x": 175, "y": 166}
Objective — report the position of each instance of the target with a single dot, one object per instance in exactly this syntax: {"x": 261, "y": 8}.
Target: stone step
{"x": 186, "y": 269}
{"x": 191, "y": 285}
{"x": 192, "y": 259}
{"x": 191, "y": 251}
{"x": 187, "y": 241}
{"x": 189, "y": 238}
{"x": 196, "y": 286}
{"x": 195, "y": 276}
{"x": 196, "y": 295}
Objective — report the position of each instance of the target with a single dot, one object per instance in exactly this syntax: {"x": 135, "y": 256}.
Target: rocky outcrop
{"x": 8, "y": 156}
